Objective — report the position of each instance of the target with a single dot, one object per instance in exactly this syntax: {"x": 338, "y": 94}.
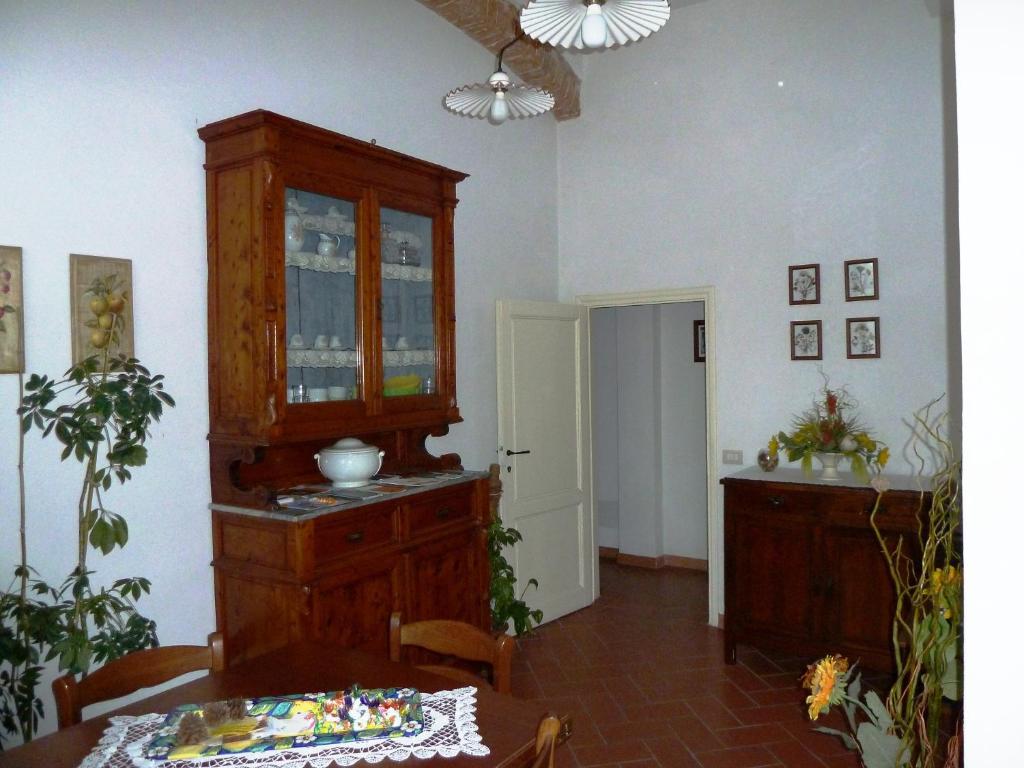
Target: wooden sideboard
{"x": 337, "y": 576}
{"x": 804, "y": 572}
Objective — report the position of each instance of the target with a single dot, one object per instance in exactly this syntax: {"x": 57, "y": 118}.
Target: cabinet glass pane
{"x": 407, "y": 308}
{"x": 320, "y": 295}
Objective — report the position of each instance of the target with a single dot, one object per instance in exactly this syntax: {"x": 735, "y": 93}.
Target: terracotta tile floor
{"x": 642, "y": 676}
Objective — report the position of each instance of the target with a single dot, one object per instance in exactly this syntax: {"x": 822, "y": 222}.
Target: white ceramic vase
{"x": 829, "y": 466}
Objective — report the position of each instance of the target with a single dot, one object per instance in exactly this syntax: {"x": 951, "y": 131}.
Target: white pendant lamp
{"x": 592, "y": 23}
{"x": 499, "y": 98}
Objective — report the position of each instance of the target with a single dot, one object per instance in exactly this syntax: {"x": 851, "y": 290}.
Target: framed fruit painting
{"x": 101, "y": 307}
{"x": 12, "y": 305}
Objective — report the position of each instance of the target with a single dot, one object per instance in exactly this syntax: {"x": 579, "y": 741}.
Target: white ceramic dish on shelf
{"x": 350, "y": 462}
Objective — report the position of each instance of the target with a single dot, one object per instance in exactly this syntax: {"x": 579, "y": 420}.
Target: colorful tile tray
{"x": 298, "y": 720}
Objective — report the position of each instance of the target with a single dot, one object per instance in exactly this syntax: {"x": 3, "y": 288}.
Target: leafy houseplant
{"x": 828, "y": 428}
{"x": 101, "y": 412}
{"x": 927, "y": 636}
{"x": 506, "y": 606}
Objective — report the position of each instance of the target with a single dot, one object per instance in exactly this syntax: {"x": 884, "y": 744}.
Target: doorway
{"x": 658, "y": 526}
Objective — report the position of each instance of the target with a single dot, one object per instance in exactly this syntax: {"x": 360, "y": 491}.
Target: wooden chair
{"x": 548, "y": 733}
{"x": 459, "y": 640}
{"x": 131, "y": 672}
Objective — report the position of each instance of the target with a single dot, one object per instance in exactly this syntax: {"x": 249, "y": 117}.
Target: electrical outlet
{"x": 732, "y": 457}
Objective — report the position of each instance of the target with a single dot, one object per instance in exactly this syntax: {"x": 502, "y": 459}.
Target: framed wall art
{"x": 863, "y": 337}
{"x": 101, "y": 307}
{"x": 804, "y": 284}
{"x": 12, "y": 312}
{"x": 700, "y": 349}
{"x": 861, "y": 279}
{"x": 805, "y": 340}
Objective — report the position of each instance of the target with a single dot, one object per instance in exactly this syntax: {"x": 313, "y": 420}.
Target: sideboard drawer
{"x": 355, "y": 532}
{"x": 438, "y": 512}
{"x": 770, "y": 499}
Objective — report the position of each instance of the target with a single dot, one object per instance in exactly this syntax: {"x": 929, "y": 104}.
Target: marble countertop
{"x": 847, "y": 480}
{"x": 286, "y": 514}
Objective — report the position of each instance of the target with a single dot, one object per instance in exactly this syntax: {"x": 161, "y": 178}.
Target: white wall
{"x": 639, "y": 407}
{"x": 649, "y": 433}
{"x": 99, "y": 106}
{"x": 604, "y": 417}
{"x": 989, "y": 63}
{"x": 692, "y": 166}
{"x": 684, "y": 492}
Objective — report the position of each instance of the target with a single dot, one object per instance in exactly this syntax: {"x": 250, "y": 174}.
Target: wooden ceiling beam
{"x": 493, "y": 24}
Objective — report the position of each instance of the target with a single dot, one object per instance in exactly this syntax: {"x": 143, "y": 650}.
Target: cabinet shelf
{"x": 347, "y": 358}
{"x": 317, "y": 263}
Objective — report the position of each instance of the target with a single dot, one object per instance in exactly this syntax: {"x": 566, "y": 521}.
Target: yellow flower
{"x": 826, "y": 681}
{"x": 773, "y": 446}
{"x": 883, "y": 456}
{"x": 945, "y": 589}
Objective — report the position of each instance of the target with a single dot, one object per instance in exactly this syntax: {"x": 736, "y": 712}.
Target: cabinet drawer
{"x": 354, "y": 533}
{"x": 770, "y": 499}
{"x": 897, "y": 511}
{"x": 437, "y": 512}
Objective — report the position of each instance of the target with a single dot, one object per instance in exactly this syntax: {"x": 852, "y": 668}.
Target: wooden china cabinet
{"x": 331, "y": 314}
{"x": 804, "y": 572}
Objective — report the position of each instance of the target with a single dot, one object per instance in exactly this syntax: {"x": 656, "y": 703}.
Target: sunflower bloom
{"x": 826, "y": 681}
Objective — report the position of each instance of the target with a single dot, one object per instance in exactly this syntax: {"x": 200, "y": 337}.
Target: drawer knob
{"x": 355, "y": 537}
{"x": 443, "y": 512}
{"x": 775, "y": 501}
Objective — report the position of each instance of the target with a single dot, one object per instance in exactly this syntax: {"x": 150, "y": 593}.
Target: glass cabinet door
{"x": 320, "y": 298}
{"x": 407, "y": 303}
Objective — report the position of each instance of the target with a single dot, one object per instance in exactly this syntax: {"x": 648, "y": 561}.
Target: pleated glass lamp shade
{"x": 498, "y": 99}
{"x": 591, "y": 23}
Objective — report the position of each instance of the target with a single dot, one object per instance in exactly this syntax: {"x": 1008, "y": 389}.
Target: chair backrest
{"x": 131, "y": 672}
{"x": 548, "y": 731}
{"x": 460, "y": 640}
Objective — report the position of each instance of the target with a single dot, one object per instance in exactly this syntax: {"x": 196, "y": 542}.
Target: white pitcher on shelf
{"x": 294, "y": 234}
{"x": 328, "y": 245}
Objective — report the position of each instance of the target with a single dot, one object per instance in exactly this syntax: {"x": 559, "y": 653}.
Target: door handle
{"x": 515, "y": 453}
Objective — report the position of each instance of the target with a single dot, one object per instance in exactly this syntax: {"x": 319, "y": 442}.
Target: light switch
{"x": 732, "y": 457}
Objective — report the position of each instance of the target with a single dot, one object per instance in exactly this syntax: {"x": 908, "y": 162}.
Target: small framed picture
{"x": 12, "y": 310}
{"x": 863, "y": 337}
{"x": 102, "y": 307}
{"x": 804, "y": 283}
{"x": 861, "y": 279}
{"x": 699, "y": 345}
{"x": 805, "y": 340}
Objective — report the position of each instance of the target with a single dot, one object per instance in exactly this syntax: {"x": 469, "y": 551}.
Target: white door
{"x": 544, "y": 450}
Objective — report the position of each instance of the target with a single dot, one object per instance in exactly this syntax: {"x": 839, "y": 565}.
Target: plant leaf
{"x": 878, "y": 710}
{"x": 879, "y": 749}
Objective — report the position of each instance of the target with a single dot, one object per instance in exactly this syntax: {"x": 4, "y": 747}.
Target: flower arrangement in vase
{"x": 830, "y": 433}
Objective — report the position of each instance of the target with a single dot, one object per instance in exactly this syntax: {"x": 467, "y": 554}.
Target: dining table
{"x": 507, "y": 725}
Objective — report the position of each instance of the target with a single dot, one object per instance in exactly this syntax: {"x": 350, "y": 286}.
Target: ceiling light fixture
{"x": 499, "y": 98}
{"x": 593, "y": 23}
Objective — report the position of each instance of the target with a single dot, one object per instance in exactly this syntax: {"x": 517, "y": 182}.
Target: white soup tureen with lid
{"x": 350, "y": 462}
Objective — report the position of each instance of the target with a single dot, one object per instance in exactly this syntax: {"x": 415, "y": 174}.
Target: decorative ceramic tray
{"x": 284, "y": 722}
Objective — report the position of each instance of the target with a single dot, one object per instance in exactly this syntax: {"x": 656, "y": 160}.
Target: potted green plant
{"x": 506, "y": 605}
{"x": 101, "y": 411}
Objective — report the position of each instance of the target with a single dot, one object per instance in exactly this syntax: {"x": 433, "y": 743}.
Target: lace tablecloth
{"x": 449, "y": 729}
